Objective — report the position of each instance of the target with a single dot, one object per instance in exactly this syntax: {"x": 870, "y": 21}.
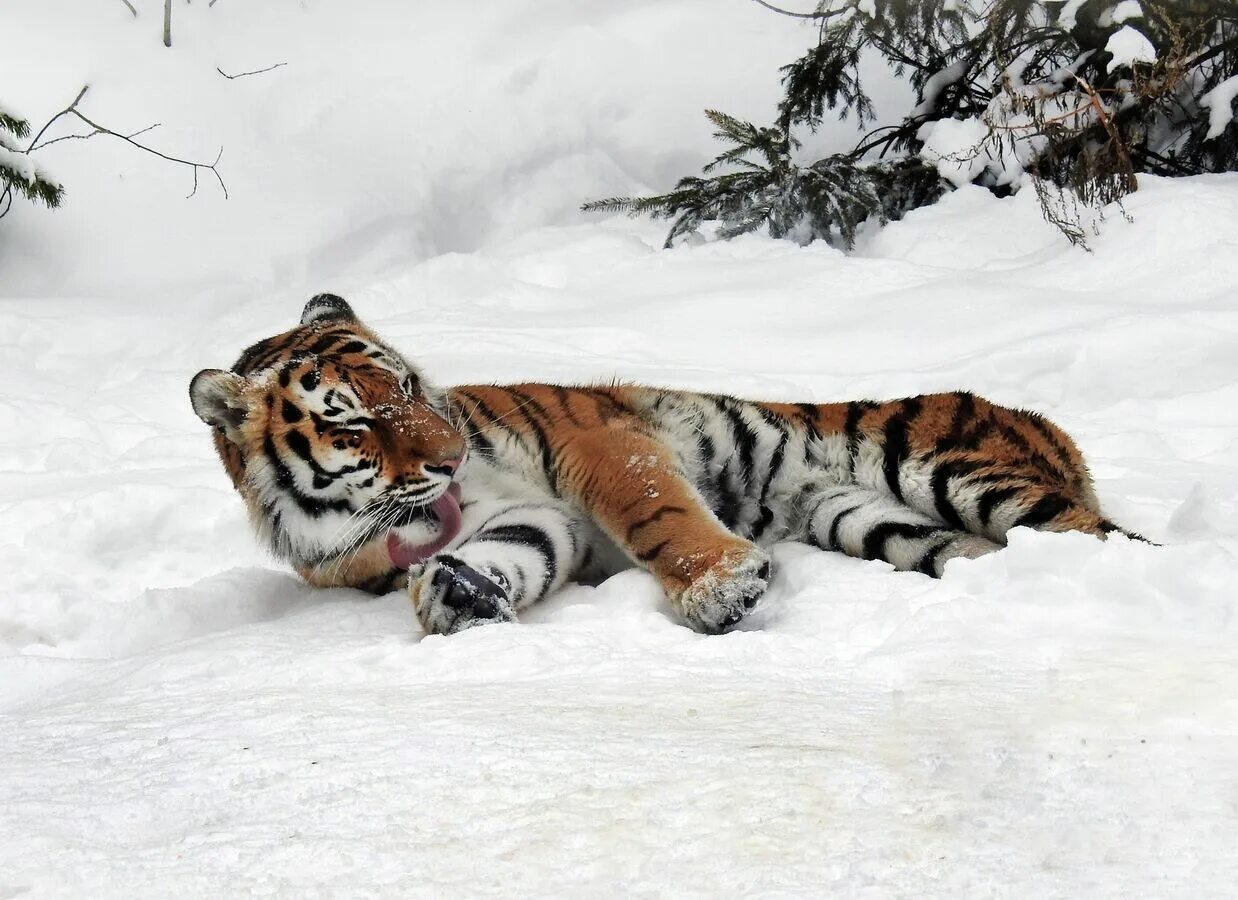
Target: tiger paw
{"x": 450, "y": 595}
{"x": 727, "y": 591}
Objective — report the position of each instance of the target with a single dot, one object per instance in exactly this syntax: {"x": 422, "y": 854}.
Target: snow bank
{"x": 395, "y": 132}
{"x": 1220, "y": 104}
{"x": 1128, "y": 46}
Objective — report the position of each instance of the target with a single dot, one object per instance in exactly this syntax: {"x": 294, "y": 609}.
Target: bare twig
{"x": 167, "y": 23}
{"x": 64, "y": 112}
{"x": 131, "y": 9}
{"x": 6, "y": 200}
{"x": 97, "y": 129}
{"x": 212, "y": 3}
{"x": 254, "y": 72}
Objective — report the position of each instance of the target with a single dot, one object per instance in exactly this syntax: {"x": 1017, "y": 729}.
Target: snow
{"x": 1220, "y": 104}
{"x": 957, "y": 147}
{"x": 1069, "y": 10}
{"x": 1128, "y": 46}
{"x": 19, "y": 164}
{"x": 1127, "y": 9}
{"x": 936, "y": 83}
{"x": 180, "y": 716}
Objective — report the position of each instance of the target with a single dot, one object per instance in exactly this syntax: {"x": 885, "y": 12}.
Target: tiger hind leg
{"x": 992, "y": 504}
{"x": 868, "y": 524}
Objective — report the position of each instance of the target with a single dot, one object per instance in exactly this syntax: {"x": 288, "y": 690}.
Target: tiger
{"x": 482, "y": 500}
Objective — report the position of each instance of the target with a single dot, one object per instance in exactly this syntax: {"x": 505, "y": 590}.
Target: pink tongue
{"x": 447, "y": 508}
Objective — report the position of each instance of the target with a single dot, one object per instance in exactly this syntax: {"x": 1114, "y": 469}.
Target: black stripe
{"x": 726, "y": 505}
{"x": 525, "y": 536}
{"x": 300, "y": 445}
{"x": 775, "y": 466}
{"x": 831, "y": 539}
{"x": 485, "y": 410}
{"x": 652, "y": 552}
{"x": 744, "y": 438}
{"x": 1047, "y": 508}
{"x": 940, "y": 483}
{"x": 851, "y": 428}
{"x": 875, "y": 540}
{"x": 548, "y": 464}
{"x": 266, "y": 350}
{"x": 649, "y": 520}
{"x": 1037, "y": 421}
{"x": 895, "y": 443}
{"x": 565, "y": 401}
{"x": 928, "y": 562}
{"x": 311, "y": 506}
{"x": 808, "y": 415}
{"x": 963, "y": 418}
{"x": 381, "y": 584}
{"x": 990, "y": 499}
{"x": 326, "y": 342}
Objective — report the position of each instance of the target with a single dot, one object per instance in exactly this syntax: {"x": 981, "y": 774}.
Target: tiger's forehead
{"x": 348, "y": 346}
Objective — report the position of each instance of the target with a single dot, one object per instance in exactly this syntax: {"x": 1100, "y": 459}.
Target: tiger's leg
{"x": 869, "y": 524}
{"x": 513, "y": 554}
{"x": 634, "y": 489}
{"x": 990, "y": 500}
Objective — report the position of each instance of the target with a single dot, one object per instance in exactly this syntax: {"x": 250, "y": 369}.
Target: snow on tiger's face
{"x": 334, "y": 441}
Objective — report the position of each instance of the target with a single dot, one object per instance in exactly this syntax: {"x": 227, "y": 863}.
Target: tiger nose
{"x": 446, "y": 467}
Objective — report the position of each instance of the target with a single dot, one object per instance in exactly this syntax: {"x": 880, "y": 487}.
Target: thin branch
{"x": 64, "y": 112}
{"x": 97, "y": 129}
{"x": 131, "y": 9}
{"x": 82, "y": 137}
{"x": 254, "y": 72}
{"x": 787, "y": 12}
{"x": 6, "y": 200}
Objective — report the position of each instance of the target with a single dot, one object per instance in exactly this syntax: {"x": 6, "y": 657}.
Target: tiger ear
{"x": 217, "y": 399}
{"x": 327, "y": 306}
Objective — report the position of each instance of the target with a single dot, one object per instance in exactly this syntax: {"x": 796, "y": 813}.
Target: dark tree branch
{"x": 794, "y": 15}
{"x": 64, "y": 112}
{"x": 254, "y": 72}
{"x": 97, "y": 129}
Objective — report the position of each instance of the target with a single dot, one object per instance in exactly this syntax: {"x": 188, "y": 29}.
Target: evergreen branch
{"x": 17, "y": 127}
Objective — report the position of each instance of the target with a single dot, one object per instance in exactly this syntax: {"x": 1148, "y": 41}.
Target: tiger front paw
{"x": 450, "y": 595}
{"x": 716, "y": 601}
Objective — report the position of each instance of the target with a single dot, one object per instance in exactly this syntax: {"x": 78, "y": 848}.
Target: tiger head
{"x": 337, "y": 446}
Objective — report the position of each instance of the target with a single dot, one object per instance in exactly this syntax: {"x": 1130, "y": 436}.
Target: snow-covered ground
{"x": 181, "y": 717}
